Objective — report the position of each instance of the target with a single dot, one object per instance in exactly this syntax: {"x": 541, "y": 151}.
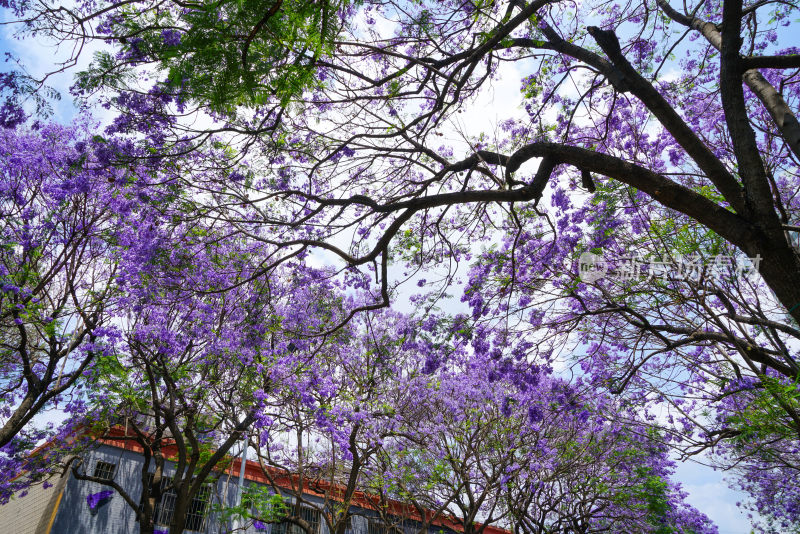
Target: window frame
{"x": 198, "y": 509}
{"x": 165, "y": 507}
{"x": 376, "y": 526}
{"x": 287, "y": 527}
{"x": 104, "y": 470}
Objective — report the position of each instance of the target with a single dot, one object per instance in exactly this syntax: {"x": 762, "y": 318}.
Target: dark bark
{"x": 783, "y": 116}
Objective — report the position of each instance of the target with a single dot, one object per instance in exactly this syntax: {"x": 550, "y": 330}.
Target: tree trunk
{"x": 780, "y": 266}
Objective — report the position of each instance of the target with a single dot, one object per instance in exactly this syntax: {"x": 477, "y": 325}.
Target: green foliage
{"x": 24, "y": 88}
{"x": 765, "y": 415}
{"x": 409, "y": 246}
{"x": 258, "y": 502}
{"x": 224, "y": 55}
{"x": 653, "y": 492}
{"x": 684, "y": 238}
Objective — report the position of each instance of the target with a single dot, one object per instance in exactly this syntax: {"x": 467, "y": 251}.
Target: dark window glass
{"x": 165, "y": 508}
{"x": 376, "y": 526}
{"x": 308, "y": 514}
{"x": 196, "y": 515}
{"x": 279, "y": 528}
{"x": 104, "y": 470}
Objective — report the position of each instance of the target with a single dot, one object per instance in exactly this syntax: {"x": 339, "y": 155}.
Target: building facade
{"x": 73, "y": 506}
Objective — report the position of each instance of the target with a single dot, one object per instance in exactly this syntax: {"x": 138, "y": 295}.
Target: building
{"x": 73, "y": 506}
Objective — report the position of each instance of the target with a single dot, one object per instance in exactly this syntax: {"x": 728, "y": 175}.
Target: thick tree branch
{"x": 783, "y": 116}
{"x": 771, "y": 62}
{"x": 257, "y": 28}
{"x": 621, "y": 73}
{"x": 743, "y": 138}
{"x": 669, "y": 118}
{"x": 671, "y": 194}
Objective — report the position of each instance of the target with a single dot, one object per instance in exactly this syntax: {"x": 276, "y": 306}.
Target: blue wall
{"x": 117, "y": 517}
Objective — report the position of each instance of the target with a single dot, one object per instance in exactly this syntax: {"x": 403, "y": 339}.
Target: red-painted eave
{"x": 283, "y": 479}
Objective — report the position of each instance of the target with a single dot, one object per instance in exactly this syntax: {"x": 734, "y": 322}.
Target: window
{"x": 165, "y": 508}
{"x": 279, "y": 528}
{"x": 376, "y": 526}
{"x": 104, "y": 470}
{"x": 197, "y": 509}
{"x": 308, "y": 514}
{"x": 311, "y": 515}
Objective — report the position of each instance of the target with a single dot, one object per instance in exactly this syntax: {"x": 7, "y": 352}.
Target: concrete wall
{"x": 33, "y": 512}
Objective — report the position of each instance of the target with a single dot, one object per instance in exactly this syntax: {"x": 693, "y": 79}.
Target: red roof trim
{"x": 253, "y": 472}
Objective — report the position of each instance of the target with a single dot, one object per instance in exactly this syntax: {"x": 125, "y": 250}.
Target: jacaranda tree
{"x": 57, "y": 225}
{"x": 535, "y": 456}
{"x": 645, "y": 127}
{"x": 205, "y": 343}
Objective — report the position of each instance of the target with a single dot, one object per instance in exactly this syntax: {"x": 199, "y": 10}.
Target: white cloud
{"x": 711, "y": 495}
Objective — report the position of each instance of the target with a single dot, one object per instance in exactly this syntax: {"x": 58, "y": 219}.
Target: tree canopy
{"x": 630, "y": 231}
